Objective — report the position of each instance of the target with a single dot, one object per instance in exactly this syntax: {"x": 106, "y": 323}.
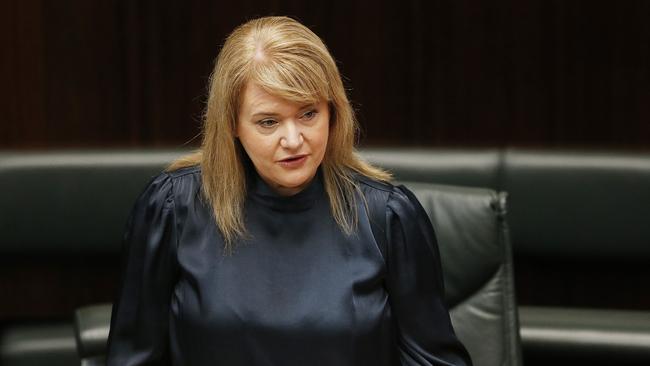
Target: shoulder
{"x": 393, "y": 196}
{"x": 372, "y": 188}
{"x": 395, "y": 214}
{"x": 183, "y": 174}
{"x": 169, "y": 187}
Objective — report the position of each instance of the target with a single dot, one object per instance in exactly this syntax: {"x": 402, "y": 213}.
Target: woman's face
{"x": 286, "y": 141}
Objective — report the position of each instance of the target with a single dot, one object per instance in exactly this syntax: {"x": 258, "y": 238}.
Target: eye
{"x": 310, "y": 114}
{"x": 267, "y": 123}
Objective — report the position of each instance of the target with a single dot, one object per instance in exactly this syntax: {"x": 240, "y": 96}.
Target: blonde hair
{"x": 286, "y": 59}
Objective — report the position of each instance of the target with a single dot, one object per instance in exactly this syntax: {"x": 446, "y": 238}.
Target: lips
{"x": 294, "y": 161}
{"x": 293, "y": 158}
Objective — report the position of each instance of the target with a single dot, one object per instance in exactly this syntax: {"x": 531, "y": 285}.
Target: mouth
{"x": 293, "y": 161}
{"x": 293, "y": 158}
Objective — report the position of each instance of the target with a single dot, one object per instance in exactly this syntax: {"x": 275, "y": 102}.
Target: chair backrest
{"x": 464, "y": 167}
{"x": 475, "y": 249}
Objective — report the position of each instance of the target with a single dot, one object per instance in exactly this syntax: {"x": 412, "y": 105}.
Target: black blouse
{"x": 296, "y": 291}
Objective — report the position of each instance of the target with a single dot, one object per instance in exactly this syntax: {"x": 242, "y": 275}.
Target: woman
{"x": 275, "y": 244}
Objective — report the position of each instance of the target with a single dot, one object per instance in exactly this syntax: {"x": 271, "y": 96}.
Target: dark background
{"x": 123, "y": 73}
{"x": 511, "y": 73}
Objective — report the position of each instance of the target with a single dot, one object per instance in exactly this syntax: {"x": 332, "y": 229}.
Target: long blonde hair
{"x": 286, "y": 59}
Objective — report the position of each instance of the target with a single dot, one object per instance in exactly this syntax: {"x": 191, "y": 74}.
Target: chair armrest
{"x": 91, "y": 326}
{"x": 585, "y": 332}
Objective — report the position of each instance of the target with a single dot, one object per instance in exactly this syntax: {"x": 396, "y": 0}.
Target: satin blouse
{"x": 296, "y": 291}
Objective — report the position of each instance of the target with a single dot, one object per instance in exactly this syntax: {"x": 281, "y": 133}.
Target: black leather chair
{"x": 581, "y": 242}
{"x": 475, "y": 249}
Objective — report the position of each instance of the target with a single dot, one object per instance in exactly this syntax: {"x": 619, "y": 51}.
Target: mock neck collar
{"x": 260, "y": 192}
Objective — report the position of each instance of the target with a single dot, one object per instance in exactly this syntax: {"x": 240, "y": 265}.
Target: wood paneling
{"x": 453, "y": 73}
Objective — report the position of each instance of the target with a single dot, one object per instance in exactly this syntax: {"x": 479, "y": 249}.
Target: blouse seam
{"x": 183, "y": 172}
{"x": 176, "y": 263}
{"x": 173, "y": 208}
{"x": 387, "y": 211}
{"x": 384, "y": 241}
{"x": 375, "y": 186}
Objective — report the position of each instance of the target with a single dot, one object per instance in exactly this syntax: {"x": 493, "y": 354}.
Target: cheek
{"x": 258, "y": 147}
{"x": 318, "y": 143}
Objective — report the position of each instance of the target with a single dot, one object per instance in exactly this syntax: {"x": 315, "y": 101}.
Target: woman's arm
{"x": 415, "y": 286}
{"x": 140, "y": 316}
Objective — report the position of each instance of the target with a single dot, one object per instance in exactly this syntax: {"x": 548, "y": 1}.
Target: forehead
{"x": 255, "y": 99}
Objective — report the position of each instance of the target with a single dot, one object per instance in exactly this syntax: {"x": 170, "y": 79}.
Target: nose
{"x": 292, "y": 138}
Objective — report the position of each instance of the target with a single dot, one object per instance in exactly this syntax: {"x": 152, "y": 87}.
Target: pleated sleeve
{"x": 139, "y": 331}
{"x": 415, "y": 286}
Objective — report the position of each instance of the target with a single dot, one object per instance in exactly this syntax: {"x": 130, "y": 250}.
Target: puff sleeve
{"x": 140, "y": 315}
{"x": 425, "y": 335}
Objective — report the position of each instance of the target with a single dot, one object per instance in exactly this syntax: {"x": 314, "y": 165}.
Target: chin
{"x": 298, "y": 180}
{"x": 294, "y": 183}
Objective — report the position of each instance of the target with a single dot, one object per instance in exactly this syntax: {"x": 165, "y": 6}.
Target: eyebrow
{"x": 273, "y": 114}
{"x": 265, "y": 114}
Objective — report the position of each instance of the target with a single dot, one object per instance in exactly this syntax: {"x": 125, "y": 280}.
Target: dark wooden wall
{"x": 104, "y": 73}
